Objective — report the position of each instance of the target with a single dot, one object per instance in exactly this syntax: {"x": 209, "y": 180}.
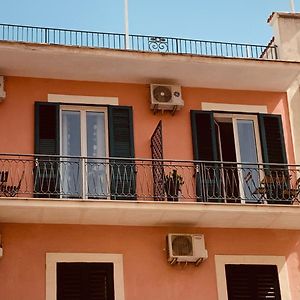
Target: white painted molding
{"x": 53, "y": 258}
{"x": 279, "y": 261}
{"x": 234, "y": 107}
{"x": 76, "y": 99}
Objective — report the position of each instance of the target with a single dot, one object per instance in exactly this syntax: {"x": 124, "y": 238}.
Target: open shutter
{"x": 46, "y": 135}
{"x": 121, "y": 145}
{"x": 252, "y": 282}
{"x": 85, "y": 281}
{"x": 205, "y": 149}
{"x": 274, "y": 152}
{"x": 272, "y": 140}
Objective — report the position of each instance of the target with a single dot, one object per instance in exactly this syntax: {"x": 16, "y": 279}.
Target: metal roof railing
{"x": 81, "y": 38}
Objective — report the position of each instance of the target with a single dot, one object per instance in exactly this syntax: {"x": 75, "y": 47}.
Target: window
{"x": 84, "y": 281}
{"x": 233, "y": 146}
{"x": 84, "y": 276}
{"x": 252, "y": 282}
{"x": 83, "y": 134}
{"x": 238, "y": 141}
{"x": 252, "y": 277}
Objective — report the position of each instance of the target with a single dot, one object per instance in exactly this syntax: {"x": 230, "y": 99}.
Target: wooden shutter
{"x": 252, "y": 282}
{"x": 46, "y": 183}
{"x": 205, "y": 149}
{"x": 204, "y": 135}
{"x": 272, "y": 140}
{"x": 121, "y": 144}
{"x": 46, "y": 128}
{"x": 85, "y": 281}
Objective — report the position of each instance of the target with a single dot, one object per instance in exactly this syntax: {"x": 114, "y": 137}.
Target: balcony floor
{"x": 146, "y": 213}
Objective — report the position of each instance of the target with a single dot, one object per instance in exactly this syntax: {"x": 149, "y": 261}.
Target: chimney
{"x": 286, "y": 30}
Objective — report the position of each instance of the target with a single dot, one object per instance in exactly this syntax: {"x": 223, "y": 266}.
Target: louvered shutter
{"x": 205, "y": 149}
{"x": 272, "y": 139}
{"x": 46, "y": 135}
{"x": 273, "y": 150}
{"x": 252, "y": 282}
{"x": 85, "y": 281}
{"x": 121, "y": 144}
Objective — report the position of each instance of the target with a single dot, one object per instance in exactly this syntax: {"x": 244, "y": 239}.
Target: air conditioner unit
{"x": 166, "y": 97}
{"x": 2, "y": 92}
{"x": 186, "y": 248}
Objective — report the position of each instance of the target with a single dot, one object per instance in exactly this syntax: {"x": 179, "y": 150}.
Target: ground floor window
{"x": 84, "y": 281}
{"x": 252, "y": 282}
{"x": 84, "y": 276}
{"x": 252, "y": 277}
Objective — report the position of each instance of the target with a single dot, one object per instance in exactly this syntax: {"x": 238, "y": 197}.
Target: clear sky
{"x": 221, "y": 20}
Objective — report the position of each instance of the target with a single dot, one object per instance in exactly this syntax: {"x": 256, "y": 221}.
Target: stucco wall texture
{"x": 147, "y": 275}
{"x": 17, "y": 112}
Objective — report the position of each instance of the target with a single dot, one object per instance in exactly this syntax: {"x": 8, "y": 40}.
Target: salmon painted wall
{"x": 147, "y": 275}
{"x": 17, "y": 112}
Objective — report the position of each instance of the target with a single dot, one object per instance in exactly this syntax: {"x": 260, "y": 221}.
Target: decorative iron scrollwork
{"x": 159, "y": 44}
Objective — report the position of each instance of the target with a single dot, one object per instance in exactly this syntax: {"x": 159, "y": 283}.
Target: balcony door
{"x": 239, "y": 149}
{"x": 84, "y": 140}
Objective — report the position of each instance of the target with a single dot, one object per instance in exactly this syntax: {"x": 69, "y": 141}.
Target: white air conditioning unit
{"x": 186, "y": 248}
{"x": 166, "y": 97}
{"x": 2, "y": 92}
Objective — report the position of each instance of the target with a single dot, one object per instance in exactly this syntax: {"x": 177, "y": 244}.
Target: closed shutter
{"x": 252, "y": 282}
{"x": 121, "y": 144}
{"x": 272, "y": 140}
{"x": 85, "y": 281}
{"x": 205, "y": 149}
{"x": 46, "y": 183}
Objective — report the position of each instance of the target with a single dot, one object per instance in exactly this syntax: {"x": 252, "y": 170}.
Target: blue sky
{"x": 221, "y": 20}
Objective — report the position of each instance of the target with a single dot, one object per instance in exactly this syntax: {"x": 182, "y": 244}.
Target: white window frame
{"x": 53, "y": 258}
{"x": 279, "y": 261}
{"x": 83, "y": 146}
{"x": 234, "y": 118}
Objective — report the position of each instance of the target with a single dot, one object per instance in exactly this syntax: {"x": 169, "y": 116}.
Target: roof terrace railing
{"x": 80, "y": 38}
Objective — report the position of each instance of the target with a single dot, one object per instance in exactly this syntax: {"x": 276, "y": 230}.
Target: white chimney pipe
{"x": 292, "y": 4}
{"x": 127, "y": 46}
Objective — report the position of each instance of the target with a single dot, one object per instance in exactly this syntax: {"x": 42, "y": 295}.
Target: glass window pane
{"x": 248, "y": 154}
{"x": 247, "y": 141}
{"x": 95, "y": 134}
{"x": 71, "y": 133}
{"x": 96, "y": 168}
{"x": 71, "y": 170}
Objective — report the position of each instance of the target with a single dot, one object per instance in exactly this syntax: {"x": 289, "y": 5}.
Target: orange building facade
{"x": 94, "y": 179}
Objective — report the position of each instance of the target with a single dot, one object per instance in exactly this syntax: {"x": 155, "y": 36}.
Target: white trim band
{"x": 75, "y": 99}
{"x": 234, "y": 107}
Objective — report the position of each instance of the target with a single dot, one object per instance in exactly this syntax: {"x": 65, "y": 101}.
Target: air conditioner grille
{"x": 162, "y": 94}
{"x": 182, "y": 245}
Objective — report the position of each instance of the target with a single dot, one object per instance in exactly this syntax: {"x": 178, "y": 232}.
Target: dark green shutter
{"x": 205, "y": 149}
{"x": 252, "y": 282}
{"x": 85, "y": 281}
{"x": 272, "y": 139}
{"x": 274, "y": 152}
{"x": 46, "y": 183}
{"x": 46, "y": 128}
{"x": 121, "y": 145}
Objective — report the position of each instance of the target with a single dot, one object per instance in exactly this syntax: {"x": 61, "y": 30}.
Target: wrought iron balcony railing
{"x": 33, "y": 34}
{"x": 88, "y": 178}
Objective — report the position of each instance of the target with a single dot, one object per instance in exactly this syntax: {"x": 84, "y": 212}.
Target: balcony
{"x": 94, "y": 179}
{"x": 78, "y": 38}
{"x": 145, "y": 192}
